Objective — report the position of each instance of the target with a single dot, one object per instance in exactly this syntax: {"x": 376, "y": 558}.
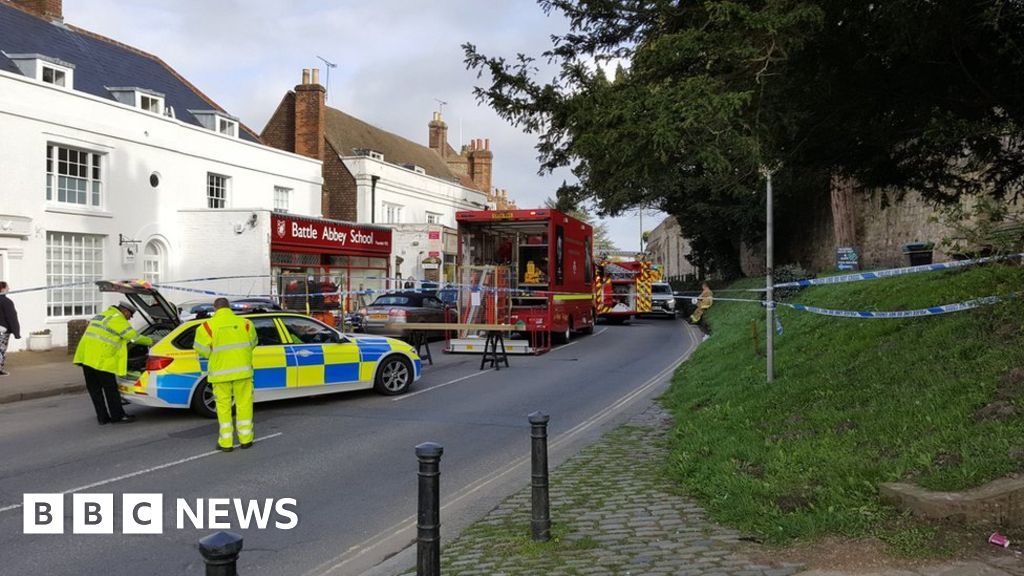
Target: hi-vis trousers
{"x": 241, "y": 392}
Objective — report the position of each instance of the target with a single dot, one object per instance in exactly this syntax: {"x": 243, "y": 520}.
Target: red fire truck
{"x": 622, "y": 288}
{"x": 533, "y": 269}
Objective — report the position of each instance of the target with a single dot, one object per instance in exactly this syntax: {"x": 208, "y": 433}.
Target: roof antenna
{"x": 329, "y": 66}
{"x": 440, "y": 105}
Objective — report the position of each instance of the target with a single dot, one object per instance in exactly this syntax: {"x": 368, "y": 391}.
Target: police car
{"x": 296, "y": 356}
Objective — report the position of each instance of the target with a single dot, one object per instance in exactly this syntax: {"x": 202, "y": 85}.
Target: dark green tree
{"x": 903, "y": 94}
{"x": 602, "y": 242}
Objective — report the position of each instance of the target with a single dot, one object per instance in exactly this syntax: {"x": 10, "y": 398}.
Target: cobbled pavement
{"x": 614, "y": 512}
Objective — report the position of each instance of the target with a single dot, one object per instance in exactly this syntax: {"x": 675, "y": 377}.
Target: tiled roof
{"x": 100, "y": 62}
{"x": 346, "y": 133}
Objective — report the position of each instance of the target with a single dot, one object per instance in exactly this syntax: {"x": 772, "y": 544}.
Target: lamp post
{"x": 769, "y": 247}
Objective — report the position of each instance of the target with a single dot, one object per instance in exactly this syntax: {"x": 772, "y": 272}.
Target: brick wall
{"x": 280, "y": 129}
{"x": 49, "y": 9}
{"x": 340, "y": 201}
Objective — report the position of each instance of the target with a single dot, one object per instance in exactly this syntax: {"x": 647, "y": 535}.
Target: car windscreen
{"x": 398, "y": 300}
{"x": 661, "y": 289}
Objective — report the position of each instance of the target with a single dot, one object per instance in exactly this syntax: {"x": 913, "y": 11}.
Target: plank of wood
{"x": 450, "y": 326}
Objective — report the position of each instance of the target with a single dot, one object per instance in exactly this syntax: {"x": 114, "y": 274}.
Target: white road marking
{"x": 141, "y": 472}
{"x": 418, "y": 392}
{"x": 557, "y": 348}
{"x": 357, "y": 550}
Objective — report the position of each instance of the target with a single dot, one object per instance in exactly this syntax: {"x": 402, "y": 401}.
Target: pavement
{"x": 39, "y": 375}
{"x": 614, "y": 511}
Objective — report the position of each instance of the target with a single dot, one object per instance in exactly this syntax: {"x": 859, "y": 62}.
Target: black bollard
{"x": 541, "y": 521}
{"x": 220, "y": 552}
{"x": 428, "y": 514}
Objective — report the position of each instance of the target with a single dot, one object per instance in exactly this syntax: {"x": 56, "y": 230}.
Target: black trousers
{"x": 106, "y": 399}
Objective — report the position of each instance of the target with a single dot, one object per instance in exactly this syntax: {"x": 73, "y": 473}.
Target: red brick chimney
{"x": 309, "y": 115}
{"x": 439, "y": 135}
{"x": 480, "y": 159}
{"x": 49, "y": 9}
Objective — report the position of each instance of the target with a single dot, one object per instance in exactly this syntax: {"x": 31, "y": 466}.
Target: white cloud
{"x": 394, "y": 58}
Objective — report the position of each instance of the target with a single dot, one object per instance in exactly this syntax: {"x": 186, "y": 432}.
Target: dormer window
{"x": 45, "y": 69}
{"x": 54, "y": 75}
{"x": 153, "y": 104}
{"x": 217, "y": 121}
{"x": 227, "y": 127}
{"x": 142, "y": 98}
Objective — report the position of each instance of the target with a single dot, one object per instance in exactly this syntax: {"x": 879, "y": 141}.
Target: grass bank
{"x": 938, "y": 401}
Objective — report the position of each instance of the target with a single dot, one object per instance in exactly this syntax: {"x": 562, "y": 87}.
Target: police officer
{"x": 227, "y": 342}
{"x": 103, "y": 355}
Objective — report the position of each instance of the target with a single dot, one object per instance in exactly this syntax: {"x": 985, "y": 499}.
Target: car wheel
{"x": 394, "y": 376}
{"x": 203, "y": 401}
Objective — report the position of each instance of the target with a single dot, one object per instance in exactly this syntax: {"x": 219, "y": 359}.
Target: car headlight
{"x": 671, "y": 304}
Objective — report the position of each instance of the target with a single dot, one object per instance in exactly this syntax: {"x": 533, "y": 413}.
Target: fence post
{"x": 540, "y": 523}
{"x": 428, "y": 514}
{"x": 220, "y": 552}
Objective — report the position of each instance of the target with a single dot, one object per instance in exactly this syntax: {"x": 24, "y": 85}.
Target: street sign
{"x": 847, "y": 258}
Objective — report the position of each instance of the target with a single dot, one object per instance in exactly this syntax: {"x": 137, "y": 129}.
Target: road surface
{"x": 347, "y": 459}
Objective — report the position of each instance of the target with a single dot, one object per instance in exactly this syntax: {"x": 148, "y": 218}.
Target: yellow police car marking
{"x": 307, "y": 375}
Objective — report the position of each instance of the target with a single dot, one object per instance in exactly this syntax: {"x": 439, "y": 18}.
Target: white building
{"x": 107, "y": 156}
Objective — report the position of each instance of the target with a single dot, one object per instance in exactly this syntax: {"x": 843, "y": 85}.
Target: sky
{"x": 395, "y": 59}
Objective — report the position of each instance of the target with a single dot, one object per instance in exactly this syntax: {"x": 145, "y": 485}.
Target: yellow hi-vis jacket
{"x": 104, "y": 346}
{"x": 227, "y": 341}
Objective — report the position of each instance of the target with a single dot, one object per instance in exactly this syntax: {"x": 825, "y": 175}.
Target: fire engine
{"x": 622, "y": 288}
{"x": 532, "y": 269}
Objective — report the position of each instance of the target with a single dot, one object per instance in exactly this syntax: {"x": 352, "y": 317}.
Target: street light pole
{"x": 770, "y": 280}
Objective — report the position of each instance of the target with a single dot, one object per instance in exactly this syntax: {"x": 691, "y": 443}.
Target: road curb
{"x": 11, "y": 397}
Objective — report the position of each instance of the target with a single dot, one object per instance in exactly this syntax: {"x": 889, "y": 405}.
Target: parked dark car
{"x": 449, "y": 295}
{"x": 406, "y": 307}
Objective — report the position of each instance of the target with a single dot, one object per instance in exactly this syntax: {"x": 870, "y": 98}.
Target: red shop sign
{"x": 335, "y": 236}
{"x": 434, "y": 235}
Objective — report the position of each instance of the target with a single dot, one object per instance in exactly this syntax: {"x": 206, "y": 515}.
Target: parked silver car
{"x": 663, "y": 301}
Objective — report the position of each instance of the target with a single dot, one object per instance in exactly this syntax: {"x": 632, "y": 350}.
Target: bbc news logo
{"x": 144, "y": 513}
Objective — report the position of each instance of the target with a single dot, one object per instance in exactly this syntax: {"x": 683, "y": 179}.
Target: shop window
{"x": 73, "y": 259}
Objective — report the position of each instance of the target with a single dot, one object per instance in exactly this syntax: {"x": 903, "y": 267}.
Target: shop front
{"x": 326, "y": 267}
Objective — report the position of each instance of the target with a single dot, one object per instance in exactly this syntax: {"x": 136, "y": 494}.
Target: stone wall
{"x": 806, "y": 236}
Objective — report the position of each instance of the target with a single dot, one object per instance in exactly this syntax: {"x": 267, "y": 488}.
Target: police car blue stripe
{"x": 270, "y": 378}
{"x": 337, "y": 373}
{"x": 174, "y": 396}
{"x": 371, "y": 350}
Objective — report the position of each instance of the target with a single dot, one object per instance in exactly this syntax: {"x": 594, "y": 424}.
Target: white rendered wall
{"x": 134, "y": 144}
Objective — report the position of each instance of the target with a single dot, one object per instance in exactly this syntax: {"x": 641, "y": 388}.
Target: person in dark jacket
{"x": 8, "y": 324}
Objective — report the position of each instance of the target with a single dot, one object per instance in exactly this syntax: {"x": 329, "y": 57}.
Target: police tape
{"x": 891, "y": 272}
{"x": 929, "y": 311}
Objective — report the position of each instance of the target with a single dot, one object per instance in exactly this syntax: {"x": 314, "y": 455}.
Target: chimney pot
{"x": 316, "y": 75}
{"x": 487, "y": 144}
{"x": 305, "y": 76}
